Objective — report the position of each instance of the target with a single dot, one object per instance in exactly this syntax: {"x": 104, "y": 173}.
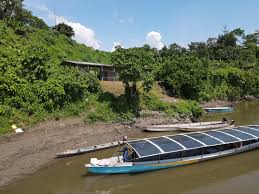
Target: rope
{"x": 116, "y": 150}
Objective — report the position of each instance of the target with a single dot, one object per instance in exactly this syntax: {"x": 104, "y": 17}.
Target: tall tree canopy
{"x": 10, "y": 8}
{"x": 133, "y": 65}
{"x": 184, "y": 75}
{"x": 65, "y": 29}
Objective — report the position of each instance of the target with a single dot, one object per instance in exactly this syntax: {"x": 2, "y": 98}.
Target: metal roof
{"x": 86, "y": 64}
{"x": 173, "y": 143}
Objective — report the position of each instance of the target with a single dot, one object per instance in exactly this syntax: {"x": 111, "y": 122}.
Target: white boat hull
{"x": 175, "y": 127}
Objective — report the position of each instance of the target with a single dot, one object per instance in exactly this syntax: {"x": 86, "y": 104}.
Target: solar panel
{"x": 249, "y": 130}
{"x": 144, "y": 148}
{"x": 166, "y": 144}
{"x": 186, "y": 141}
{"x": 254, "y": 126}
{"x": 205, "y": 139}
{"x": 174, "y": 143}
{"x": 238, "y": 134}
{"x": 222, "y": 136}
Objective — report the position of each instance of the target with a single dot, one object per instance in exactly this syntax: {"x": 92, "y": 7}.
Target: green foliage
{"x": 26, "y": 18}
{"x": 10, "y": 8}
{"x": 133, "y": 65}
{"x": 65, "y": 29}
{"x": 18, "y": 18}
{"x": 184, "y": 75}
{"x": 32, "y": 81}
{"x": 108, "y": 108}
{"x": 229, "y": 83}
{"x": 34, "y": 84}
{"x": 188, "y": 109}
{"x": 182, "y": 108}
{"x": 223, "y": 68}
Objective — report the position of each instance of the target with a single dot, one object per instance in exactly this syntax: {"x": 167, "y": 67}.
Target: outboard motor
{"x": 224, "y": 119}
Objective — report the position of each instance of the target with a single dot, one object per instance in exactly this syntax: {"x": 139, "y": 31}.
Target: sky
{"x": 103, "y": 24}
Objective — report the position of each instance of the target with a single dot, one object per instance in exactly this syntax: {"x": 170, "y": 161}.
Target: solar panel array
{"x": 173, "y": 143}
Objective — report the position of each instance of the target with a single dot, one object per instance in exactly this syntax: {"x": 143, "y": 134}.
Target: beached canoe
{"x": 219, "y": 109}
{"x": 175, "y": 127}
{"x": 162, "y": 152}
{"x": 222, "y": 125}
{"x": 84, "y": 150}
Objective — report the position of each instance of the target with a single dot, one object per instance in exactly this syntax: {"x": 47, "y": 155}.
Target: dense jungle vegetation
{"x": 35, "y": 86}
{"x": 225, "y": 68}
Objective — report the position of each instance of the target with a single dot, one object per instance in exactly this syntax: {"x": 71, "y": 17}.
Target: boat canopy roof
{"x": 173, "y": 143}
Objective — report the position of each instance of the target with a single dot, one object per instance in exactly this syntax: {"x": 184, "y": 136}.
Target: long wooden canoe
{"x": 175, "y": 127}
{"x": 84, "y": 150}
{"x": 206, "y": 127}
{"x": 219, "y": 109}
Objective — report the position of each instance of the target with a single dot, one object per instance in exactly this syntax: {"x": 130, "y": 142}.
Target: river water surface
{"x": 237, "y": 174}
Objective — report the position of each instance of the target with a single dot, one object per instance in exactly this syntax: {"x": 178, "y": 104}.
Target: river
{"x": 233, "y": 175}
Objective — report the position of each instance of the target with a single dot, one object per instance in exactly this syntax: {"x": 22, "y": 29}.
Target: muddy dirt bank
{"x": 219, "y": 103}
{"x": 25, "y": 153}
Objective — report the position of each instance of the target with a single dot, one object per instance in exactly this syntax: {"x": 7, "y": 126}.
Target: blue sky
{"x": 103, "y": 23}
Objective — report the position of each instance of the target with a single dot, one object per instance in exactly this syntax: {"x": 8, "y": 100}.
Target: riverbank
{"x": 25, "y": 153}
{"x": 219, "y": 103}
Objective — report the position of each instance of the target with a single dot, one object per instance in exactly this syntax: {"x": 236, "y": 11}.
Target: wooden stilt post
{"x": 102, "y": 73}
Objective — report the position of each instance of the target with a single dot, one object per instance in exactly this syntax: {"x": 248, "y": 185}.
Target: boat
{"x": 175, "y": 127}
{"x": 219, "y": 109}
{"x": 221, "y": 125}
{"x": 163, "y": 152}
{"x": 79, "y": 151}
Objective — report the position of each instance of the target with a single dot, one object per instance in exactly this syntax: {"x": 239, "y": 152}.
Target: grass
{"x": 108, "y": 106}
{"x": 114, "y": 87}
{"x": 181, "y": 108}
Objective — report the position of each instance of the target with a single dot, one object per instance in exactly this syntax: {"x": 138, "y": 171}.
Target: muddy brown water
{"x": 236, "y": 174}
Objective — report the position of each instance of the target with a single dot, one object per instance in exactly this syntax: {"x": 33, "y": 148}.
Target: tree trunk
{"x": 134, "y": 89}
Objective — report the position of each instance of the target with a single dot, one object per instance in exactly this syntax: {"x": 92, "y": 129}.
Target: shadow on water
{"x": 234, "y": 175}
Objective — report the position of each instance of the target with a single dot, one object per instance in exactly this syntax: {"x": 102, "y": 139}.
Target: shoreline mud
{"x": 24, "y": 154}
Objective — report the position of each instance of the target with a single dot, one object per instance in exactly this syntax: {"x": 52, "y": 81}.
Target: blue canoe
{"x": 219, "y": 109}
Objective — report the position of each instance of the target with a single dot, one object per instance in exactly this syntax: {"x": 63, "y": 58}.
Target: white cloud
{"x": 116, "y": 44}
{"x": 83, "y": 34}
{"x": 153, "y": 39}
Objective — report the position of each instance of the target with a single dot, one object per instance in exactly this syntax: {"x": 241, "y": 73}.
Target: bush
{"x": 181, "y": 108}
{"x": 32, "y": 82}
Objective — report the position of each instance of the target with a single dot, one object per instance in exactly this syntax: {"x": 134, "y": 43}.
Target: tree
{"x": 184, "y": 75}
{"x": 230, "y": 38}
{"x": 200, "y": 49}
{"x": 227, "y": 47}
{"x": 65, "y": 29}
{"x": 135, "y": 65}
{"x": 26, "y": 18}
{"x": 10, "y": 8}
